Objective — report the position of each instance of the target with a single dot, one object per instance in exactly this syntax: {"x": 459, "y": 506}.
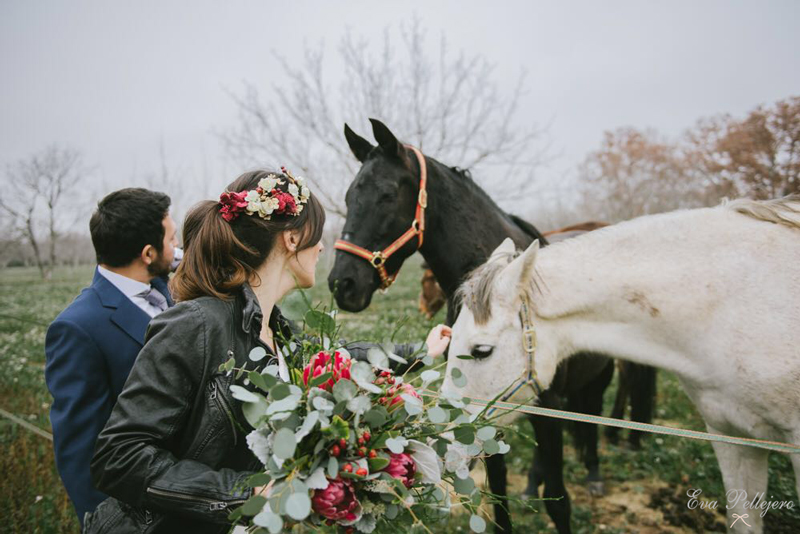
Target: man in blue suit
{"x": 92, "y": 344}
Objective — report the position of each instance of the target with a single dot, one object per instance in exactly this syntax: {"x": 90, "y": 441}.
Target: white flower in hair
{"x": 253, "y": 201}
{"x": 305, "y": 192}
{"x": 293, "y": 190}
{"x": 268, "y": 205}
{"x": 268, "y": 183}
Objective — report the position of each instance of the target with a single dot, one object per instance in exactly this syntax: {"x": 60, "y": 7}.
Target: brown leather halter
{"x": 378, "y": 258}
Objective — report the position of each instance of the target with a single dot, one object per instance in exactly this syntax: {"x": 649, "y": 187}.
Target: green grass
{"x": 35, "y": 501}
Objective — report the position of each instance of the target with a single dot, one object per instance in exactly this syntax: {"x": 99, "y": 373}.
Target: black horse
{"x": 462, "y": 227}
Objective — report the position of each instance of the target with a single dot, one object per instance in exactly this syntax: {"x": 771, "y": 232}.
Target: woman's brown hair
{"x": 220, "y": 256}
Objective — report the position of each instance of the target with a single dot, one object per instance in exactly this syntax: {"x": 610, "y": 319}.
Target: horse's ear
{"x": 519, "y": 272}
{"x": 506, "y": 247}
{"x": 386, "y": 139}
{"x": 528, "y": 260}
{"x": 358, "y": 145}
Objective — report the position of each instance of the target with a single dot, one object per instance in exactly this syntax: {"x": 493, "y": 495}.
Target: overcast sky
{"x": 115, "y": 80}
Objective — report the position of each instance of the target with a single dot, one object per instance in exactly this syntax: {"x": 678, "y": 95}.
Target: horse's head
{"x": 381, "y": 205}
{"x": 488, "y": 347}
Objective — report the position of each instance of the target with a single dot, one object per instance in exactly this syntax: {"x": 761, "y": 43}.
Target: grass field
{"x": 646, "y": 490}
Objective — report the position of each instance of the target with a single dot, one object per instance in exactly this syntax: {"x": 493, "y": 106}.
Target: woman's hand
{"x": 438, "y": 340}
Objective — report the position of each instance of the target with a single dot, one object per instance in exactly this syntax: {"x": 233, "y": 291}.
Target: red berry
{"x": 362, "y": 451}
{"x": 366, "y": 436}
{"x": 391, "y": 380}
{"x": 347, "y": 468}
{"x": 379, "y": 381}
{"x": 335, "y": 450}
{"x": 360, "y": 441}
{"x": 343, "y": 444}
{"x": 373, "y": 454}
{"x": 361, "y": 472}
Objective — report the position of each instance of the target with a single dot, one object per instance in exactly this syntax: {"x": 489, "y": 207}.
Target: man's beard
{"x": 160, "y": 267}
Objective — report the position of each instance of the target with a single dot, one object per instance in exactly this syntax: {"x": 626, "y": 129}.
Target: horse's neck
{"x": 462, "y": 228}
{"x": 632, "y": 292}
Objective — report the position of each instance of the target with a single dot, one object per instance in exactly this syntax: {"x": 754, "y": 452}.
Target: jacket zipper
{"x": 220, "y": 400}
{"x": 213, "y": 506}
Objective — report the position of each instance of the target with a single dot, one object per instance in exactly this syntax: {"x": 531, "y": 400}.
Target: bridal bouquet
{"x": 349, "y": 446}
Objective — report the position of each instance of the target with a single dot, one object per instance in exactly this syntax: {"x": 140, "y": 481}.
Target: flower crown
{"x": 267, "y": 200}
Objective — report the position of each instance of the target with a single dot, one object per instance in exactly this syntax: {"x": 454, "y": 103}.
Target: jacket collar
{"x": 127, "y": 315}
{"x": 251, "y": 311}
{"x": 253, "y": 316}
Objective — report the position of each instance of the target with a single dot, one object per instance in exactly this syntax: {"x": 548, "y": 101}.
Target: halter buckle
{"x": 529, "y": 339}
{"x": 415, "y": 225}
{"x": 423, "y": 198}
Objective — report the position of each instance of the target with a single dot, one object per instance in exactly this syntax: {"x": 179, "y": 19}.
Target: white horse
{"x": 712, "y": 295}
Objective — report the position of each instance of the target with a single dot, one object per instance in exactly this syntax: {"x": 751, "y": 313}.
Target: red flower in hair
{"x": 286, "y": 202}
{"x": 232, "y": 204}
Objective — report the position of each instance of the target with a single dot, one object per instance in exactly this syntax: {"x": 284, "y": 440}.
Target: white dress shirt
{"x": 132, "y": 289}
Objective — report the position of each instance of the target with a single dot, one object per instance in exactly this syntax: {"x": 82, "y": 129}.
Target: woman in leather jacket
{"x": 173, "y": 455}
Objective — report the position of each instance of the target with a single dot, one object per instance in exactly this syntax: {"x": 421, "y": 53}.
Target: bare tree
{"x": 758, "y": 156}
{"x": 635, "y": 173}
{"x": 453, "y": 107}
{"x": 44, "y": 181}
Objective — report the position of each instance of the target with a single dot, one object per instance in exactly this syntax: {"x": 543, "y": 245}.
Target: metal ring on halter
{"x": 415, "y": 226}
{"x": 377, "y": 259}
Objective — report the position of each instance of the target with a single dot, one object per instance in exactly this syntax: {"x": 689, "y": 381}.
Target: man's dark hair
{"x": 125, "y": 222}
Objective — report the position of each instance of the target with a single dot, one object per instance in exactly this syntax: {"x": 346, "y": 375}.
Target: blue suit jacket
{"x": 90, "y": 349}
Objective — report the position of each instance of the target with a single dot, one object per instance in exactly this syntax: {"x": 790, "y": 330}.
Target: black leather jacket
{"x": 173, "y": 455}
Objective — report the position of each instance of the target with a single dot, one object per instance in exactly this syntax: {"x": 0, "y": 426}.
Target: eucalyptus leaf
{"x": 362, "y": 374}
{"x": 477, "y": 523}
{"x": 308, "y": 425}
{"x": 437, "y": 415}
{"x": 254, "y": 411}
{"x": 271, "y": 370}
{"x": 253, "y": 505}
{"x": 279, "y": 392}
{"x": 429, "y": 375}
{"x": 298, "y": 506}
{"x": 486, "y": 432}
{"x": 344, "y": 390}
{"x": 376, "y": 417}
{"x": 244, "y": 395}
{"x": 378, "y": 358}
{"x": 284, "y": 405}
{"x": 464, "y": 434}
{"x": 464, "y": 486}
{"x": 503, "y": 447}
{"x": 396, "y": 445}
{"x": 490, "y": 446}
{"x": 285, "y": 443}
{"x": 413, "y": 405}
{"x": 257, "y": 354}
{"x": 333, "y": 467}
{"x": 269, "y": 520}
{"x": 317, "y": 479}
{"x": 359, "y": 405}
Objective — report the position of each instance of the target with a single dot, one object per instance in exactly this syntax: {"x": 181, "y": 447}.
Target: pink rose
{"x": 402, "y": 467}
{"x": 322, "y": 363}
{"x": 337, "y": 502}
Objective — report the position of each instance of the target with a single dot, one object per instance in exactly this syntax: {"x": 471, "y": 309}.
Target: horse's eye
{"x": 480, "y": 352}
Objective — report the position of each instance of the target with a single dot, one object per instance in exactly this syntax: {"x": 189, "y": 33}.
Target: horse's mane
{"x": 785, "y": 211}
{"x": 476, "y": 291}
